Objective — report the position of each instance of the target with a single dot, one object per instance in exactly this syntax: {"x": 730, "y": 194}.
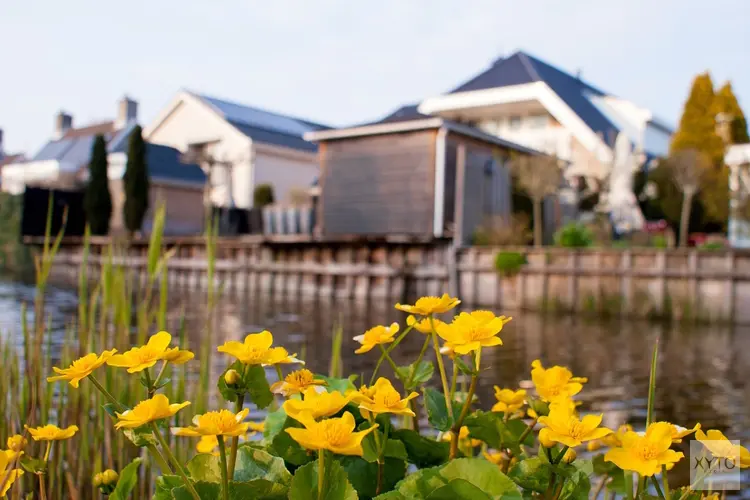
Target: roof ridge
{"x": 529, "y": 65}
{"x": 204, "y": 96}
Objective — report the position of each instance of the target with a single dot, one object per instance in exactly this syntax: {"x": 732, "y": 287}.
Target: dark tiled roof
{"x": 164, "y": 162}
{"x": 266, "y": 126}
{"x": 105, "y": 128}
{"x": 523, "y": 68}
{"x": 8, "y": 159}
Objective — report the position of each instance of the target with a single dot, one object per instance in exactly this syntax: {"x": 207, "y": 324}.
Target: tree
{"x": 263, "y": 195}
{"x": 136, "y": 182}
{"x": 729, "y": 110}
{"x": 687, "y": 166}
{"x": 538, "y": 176}
{"x": 697, "y": 128}
{"x": 97, "y": 199}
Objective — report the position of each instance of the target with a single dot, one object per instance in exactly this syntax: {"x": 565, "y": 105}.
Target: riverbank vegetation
{"x": 116, "y": 412}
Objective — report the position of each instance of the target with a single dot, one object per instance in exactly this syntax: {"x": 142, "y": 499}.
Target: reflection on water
{"x": 702, "y": 370}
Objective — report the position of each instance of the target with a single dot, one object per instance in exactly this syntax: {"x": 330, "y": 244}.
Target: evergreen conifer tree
{"x": 97, "y": 198}
{"x": 135, "y": 182}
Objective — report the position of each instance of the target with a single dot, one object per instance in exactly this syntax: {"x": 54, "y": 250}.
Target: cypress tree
{"x": 697, "y": 128}
{"x": 97, "y": 199}
{"x": 727, "y": 105}
{"x": 135, "y": 182}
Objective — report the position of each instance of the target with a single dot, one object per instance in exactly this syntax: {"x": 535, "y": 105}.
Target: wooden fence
{"x": 643, "y": 283}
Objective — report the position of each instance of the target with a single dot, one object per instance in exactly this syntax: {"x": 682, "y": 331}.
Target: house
{"x": 411, "y": 176}
{"x": 62, "y": 163}
{"x": 6, "y": 158}
{"x": 239, "y": 146}
{"x": 525, "y": 100}
{"x": 737, "y": 158}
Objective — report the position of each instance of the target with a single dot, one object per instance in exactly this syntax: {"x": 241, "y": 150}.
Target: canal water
{"x": 703, "y": 370}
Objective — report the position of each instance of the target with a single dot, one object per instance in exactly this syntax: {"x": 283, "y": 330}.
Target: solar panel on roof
{"x": 53, "y": 150}
{"x": 259, "y": 118}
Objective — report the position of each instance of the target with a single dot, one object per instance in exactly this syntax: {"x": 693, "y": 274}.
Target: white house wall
{"x": 188, "y": 120}
{"x": 284, "y": 169}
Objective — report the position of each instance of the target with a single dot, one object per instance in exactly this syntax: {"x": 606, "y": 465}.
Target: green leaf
{"x": 540, "y": 407}
{"x": 256, "y": 385}
{"x": 110, "y": 408}
{"x": 275, "y": 423}
{"x": 364, "y": 475}
{"x": 257, "y": 489}
{"x": 258, "y": 464}
{"x": 576, "y": 487}
{"x": 206, "y": 491}
{"x": 163, "y": 382}
{"x": 437, "y": 411}
{"x": 337, "y": 485}
{"x": 127, "y": 481}
{"x": 422, "y": 451}
{"x": 418, "y": 374}
{"x": 165, "y": 485}
{"x": 463, "y": 367}
{"x": 483, "y": 474}
{"x": 490, "y": 428}
{"x": 205, "y": 467}
{"x": 531, "y": 474}
{"x": 33, "y": 465}
{"x": 339, "y": 384}
{"x": 142, "y": 436}
{"x": 458, "y": 489}
{"x": 419, "y": 484}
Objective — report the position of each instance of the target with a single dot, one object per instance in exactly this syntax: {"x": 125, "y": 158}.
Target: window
{"x": 537, "y": 121}
{"x": 514, "y": 123}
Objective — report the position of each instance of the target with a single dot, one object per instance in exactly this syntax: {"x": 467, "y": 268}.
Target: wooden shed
{"x": 421, "y": 179}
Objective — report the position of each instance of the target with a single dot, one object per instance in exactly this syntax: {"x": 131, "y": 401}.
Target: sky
{"x": 344, "y": 62}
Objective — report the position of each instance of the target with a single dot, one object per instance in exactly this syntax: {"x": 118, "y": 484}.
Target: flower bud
{"x": 544, "y": 440}
{"x": 17, "y": 443}
{"x": 98, "y": 480}
{"x": 231, "y": 377}
{"x": 109, "y": 477}
{"x": 569, "y": 456}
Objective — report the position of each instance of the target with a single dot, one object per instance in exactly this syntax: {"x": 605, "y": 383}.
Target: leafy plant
{"x": 574, "y": 235}
{"x": 510, "y": 263}
{"x": 263, "y": 195}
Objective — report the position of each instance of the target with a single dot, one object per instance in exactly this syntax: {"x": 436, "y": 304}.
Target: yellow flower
{"x": 216, "y": 423}
{"x": 279, "y": 355}
{"x": 51, "y": 432}
{"x": 333, "y": 434}
{"x": 7, "y": 477}
{"x": 147, "y": 411}
{"x": 81, "y": 368}
{"x": 569, "y": 456}
{"x": 257, "y": 427}
{"x": 377, "y": 335}
{"x": 563, "y": 426}
{"x": 555, "y": 382}
{"x": 680, "y": 432}
{"x": 315, "y": 404}
{"x": 463, "y": 437}
{"x": 255, "y": 350}
{"x": 613, "y": 440}
{"x": 430, "y": 305}
{"x": 296, "y": 382}
{"x": 496, "y": 457}
{"x": 508, "y": 400}
{"x": 16, "y": 444}
{"x": 423, "y": 325}
{"x": 645, "y": 454}
{"x": 177, "y": 356}
{"x": 721, "y": 447}
{"x": 383, "y": 398}
{"x": 471, "y": 331}
{"x": 139, "y": 358}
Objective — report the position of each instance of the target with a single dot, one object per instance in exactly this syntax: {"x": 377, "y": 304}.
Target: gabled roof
{"x": 164, "y": 162}
{"x": 265, "y": 126}
{"x": 521, "y": 68}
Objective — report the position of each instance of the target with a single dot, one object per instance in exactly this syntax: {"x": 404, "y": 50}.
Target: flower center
{"x": 389, "y": 398}
{"x": 646, "y": 451}
{"x": 220, "y": 421}
{"x": 575, "y": 428}
{"x": 300, "y": 378}
{"x": 334, "y": 432}
{"x": 84, "y": 363}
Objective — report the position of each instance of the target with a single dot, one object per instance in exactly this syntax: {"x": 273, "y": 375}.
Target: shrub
{"x": 263, "y": 195}
{"x": 659, "y": 241}
{"x": 509, "y": 263}
{"x": 498, "y": 231}
{"x": 574, "y": 235}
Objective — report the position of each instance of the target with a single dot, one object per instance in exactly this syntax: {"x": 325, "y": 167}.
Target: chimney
{"x": 2, "y": 151}
{"x": 63, "y": 123}
{"x": 127, "y": 112}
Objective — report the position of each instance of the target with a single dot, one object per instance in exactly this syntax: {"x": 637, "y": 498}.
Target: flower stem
{"x": 321, "y": 474}
{"x": 42, "y": 488}
{"x": 149, "y": 383}
{"x": 235, "y": 440}
{"x": 441, "y": 368}
{"x": 658, "y": 488}
{"x": 465, "y": 410}
{"x": 279, "y": 373}
{"x": 171, "y": 457}
{"x": 665, "y": 481}
{"x": 390, "y": 348}
{"x": 454, "y": 379}
{"x": 628, "y": 475}
{"x": 160, "y": 374}
{"x": 527, "y": 431}
{"x": 561, "y": 455}
{"x": 224, "y": 477}
{"x": 381, "y": 459}
{"x": 46, "y": 452}
{"x": 390, "y": 360}
{"x": 106, "y": 393}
